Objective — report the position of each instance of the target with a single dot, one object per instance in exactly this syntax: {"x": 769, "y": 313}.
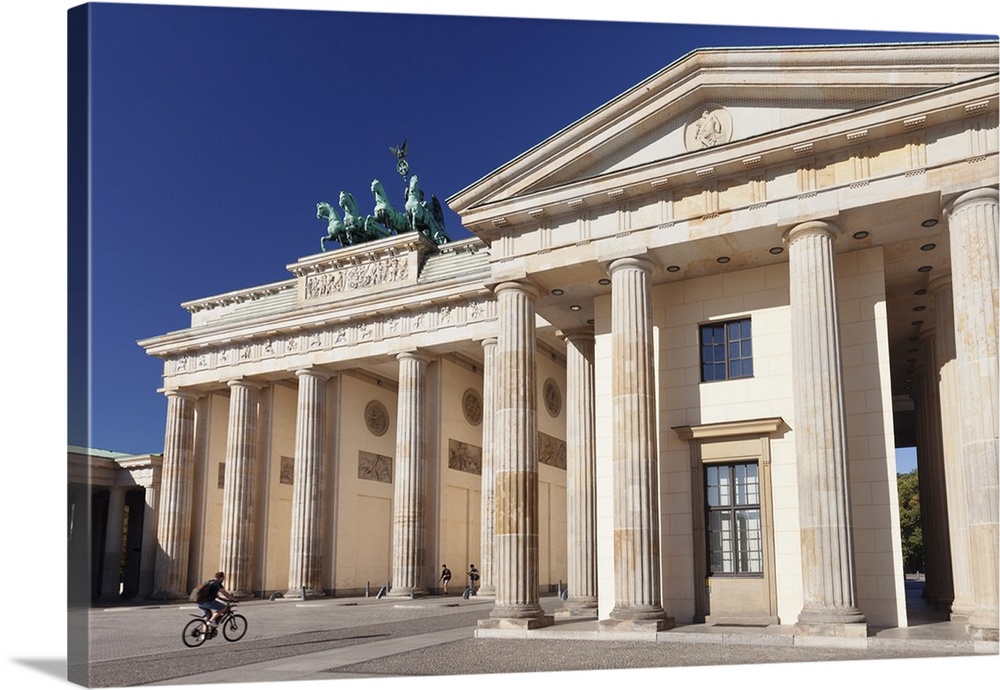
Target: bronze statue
{"x": 385, "y": 213}
{"x": 427, "y": 219}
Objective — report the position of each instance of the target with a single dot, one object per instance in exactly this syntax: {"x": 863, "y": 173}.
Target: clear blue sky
{"x": 216, "y": 131}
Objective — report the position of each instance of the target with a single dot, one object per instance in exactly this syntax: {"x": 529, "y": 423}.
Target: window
{"x": 726, "y": 351}
{"x": 732, "y": 502}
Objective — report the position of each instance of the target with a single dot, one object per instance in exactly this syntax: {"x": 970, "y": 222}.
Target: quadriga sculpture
{"x": 427, "y": 219}
{"x": 336, "y": 231}
{"x": 361, "y": 228}
{"x": 385, "y": 213}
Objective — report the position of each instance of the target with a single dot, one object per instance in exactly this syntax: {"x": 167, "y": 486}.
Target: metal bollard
{"x": 367, "y": 585}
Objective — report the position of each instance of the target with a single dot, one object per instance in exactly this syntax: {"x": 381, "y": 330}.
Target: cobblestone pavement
{"x": 368, "y": 638}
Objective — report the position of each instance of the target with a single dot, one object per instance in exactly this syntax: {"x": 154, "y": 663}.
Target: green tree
{"x": 908, "y": 487}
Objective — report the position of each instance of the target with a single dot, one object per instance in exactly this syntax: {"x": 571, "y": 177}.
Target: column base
{"x": 577, "y": 612}
{"x": 983, "y": 628}
{"x": 406, "y": 593}
{"x": 309, "y": 594}
{"x": 646, "y": 625}
{"x": 845, "y": 635}
{"x": 520, "y": 624}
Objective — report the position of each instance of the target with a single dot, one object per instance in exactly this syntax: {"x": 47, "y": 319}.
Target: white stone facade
{"x": 815, "y": 197}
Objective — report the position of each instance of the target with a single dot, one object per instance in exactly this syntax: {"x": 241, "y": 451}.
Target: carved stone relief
{"x": 286, "y": 473}
{"x": 551, "y": 451}
{"x": 374, "y": 467}
{"x": 376, "y": 418}
{"x": 552, "y": 397}
{"x": 391, "y": 270}
{"x": 710, "y": 126}
{"x": 348, "y": 334}
{"x": 465, "y": 457}
{"x": 472, "y": 407}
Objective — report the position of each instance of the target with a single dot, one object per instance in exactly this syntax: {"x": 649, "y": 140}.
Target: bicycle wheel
{"x": 193, "y": 635}
{"x": 234, "y": 628}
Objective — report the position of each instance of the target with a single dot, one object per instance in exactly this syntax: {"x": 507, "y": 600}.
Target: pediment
{"x": 714, "y": 97}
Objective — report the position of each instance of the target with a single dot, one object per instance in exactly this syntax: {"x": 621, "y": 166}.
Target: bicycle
{"x": 232, "y": 625}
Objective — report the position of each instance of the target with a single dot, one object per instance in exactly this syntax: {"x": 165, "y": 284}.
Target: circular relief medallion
{"x": 376, "y": 418}
{"x": 472, "y": 407}
{"x": 552, "y": 397}
{"x": 710, "y": 126}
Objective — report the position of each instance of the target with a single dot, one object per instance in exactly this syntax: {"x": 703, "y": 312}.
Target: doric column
{"x": 111, "y": 573}
{"x": 951, "y": 446}
{"x": 930, "y": 465}
{"x": 487, "y": 577}
{"x": 173, "y": 533}
{"x": 581, "y": 476}
{"x": 516, "y": 465}
{"x": 408, "y": 550}
{"x": 828, "y": 579}
{"x": 634, "y": 451}
{"x": 147, "y": 560}
{"x": 237, "y": 494}
{"x": 973, "y": 226}
{"x": 305, "y": 550}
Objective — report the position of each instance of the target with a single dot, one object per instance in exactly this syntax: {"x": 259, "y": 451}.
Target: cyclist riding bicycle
{"x": 208, "y": 600}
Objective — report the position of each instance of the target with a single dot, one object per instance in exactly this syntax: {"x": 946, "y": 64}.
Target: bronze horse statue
{"x": 361, "y": 228}
{"x": 385, "y": 213}
{"x": 427, "y": 219}
{"x": 336, "y": 231}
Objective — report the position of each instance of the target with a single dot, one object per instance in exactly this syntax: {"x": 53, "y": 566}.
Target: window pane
{"x": 712, "y": 486}
{"x": 745, "y": 328}
{"x": 748, "y": 545}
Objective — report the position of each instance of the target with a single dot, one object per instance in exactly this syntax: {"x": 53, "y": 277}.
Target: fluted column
{"x": 408, "y": 549}
{"x": 111, "y": 573}
{"x": 634, "y": 447}
{"x": 581, "y": 476}
{"x": 973, "y": 226}
{"x": 173, "y": 533}
{"x": 237, "y": 494}
{"x": 930, "y": 465}
{"x": 951, "y": 447}
{"x": 829, "y": 588}
{"x": 305, "y": 550}
{"x": 147, "y": 559}
{"x": 487, "y": 568}
{"x": 516, "y": 466}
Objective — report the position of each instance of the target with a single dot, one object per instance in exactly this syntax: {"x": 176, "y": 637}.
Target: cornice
{"x": 912, "y": 66}
{"x": 737, "y": 158}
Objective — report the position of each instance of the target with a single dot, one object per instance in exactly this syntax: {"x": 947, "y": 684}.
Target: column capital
{"x": 939, "y": 283}
{"x": 312, "y": 371}
{"x": 972, "y": 196}
{"x": 183, "y": 394}
{"x": 582, "y": 334}
{"x": 518, "y": 286}
{"x": 811, "y": 227}
{"x": 643, "y": 263}
{"x": 492, "y": 340}
{"x": 413, "y": 354}
{"x": 244, "y": 383}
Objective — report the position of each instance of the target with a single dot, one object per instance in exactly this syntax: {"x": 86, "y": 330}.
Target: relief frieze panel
{"x": 347, "y": 334}
{"x": 374, "y": 467}
{"x": 393, "y": 269}
{"x": 551, "y": 451}
{"x": 465, "y": 457}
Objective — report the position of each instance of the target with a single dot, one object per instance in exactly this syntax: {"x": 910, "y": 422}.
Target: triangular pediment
{"x": 714, "y": 97}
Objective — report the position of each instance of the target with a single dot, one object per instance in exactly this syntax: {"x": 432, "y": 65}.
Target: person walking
{"x": 445, "y": 578}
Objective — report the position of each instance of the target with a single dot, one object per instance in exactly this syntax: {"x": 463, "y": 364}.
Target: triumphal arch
{"x": 666, "y": 376}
